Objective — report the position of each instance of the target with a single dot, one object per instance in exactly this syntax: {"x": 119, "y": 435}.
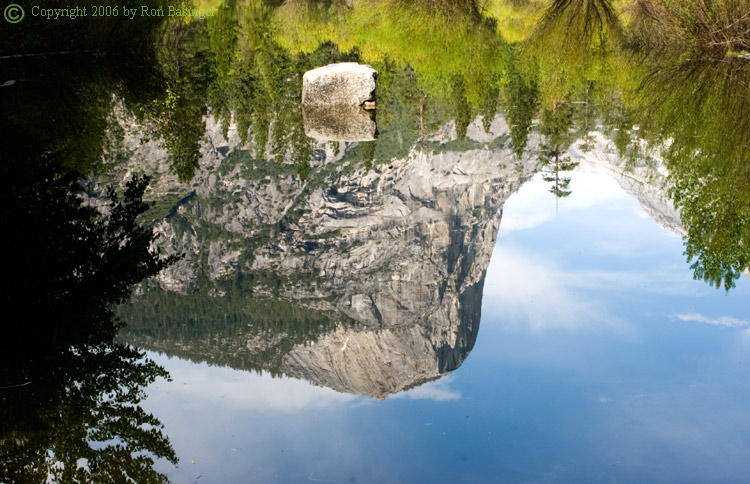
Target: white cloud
{"x": 660, "y": 280}
{"x": 531, "y": 292}
{"x": 726, "y": 321}
{"x": 533, "y": 205}
{"x": 640, "y": 213}
{"x": 200, "y": 383}
{"x": 437, "y": 390}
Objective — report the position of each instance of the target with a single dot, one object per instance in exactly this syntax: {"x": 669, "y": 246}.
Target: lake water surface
{"x": 528, "y": 264}
{"x": 598, "y": 359}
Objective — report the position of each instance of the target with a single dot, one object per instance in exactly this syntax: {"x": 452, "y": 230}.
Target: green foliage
{"x": 262, "y": 87}
{"x": 437, "y": 44}
{"x": 556, "y": 126}
{"x": 710, "y": 28}
{"x": 186, "y": 64}
{"x": 68, "y": 392}
{"x": 461, "y": 109}
{"x": 574, "y": 43}
{"x": 520, "y": 102}
{"x": 469, "y": 8}
{"x": 697, "y": 110}
{"x": 62, "y": 411}
{"x": 553, "y": 164}
{"x": 404, "y": 113}
{"x": 571, "y": 72}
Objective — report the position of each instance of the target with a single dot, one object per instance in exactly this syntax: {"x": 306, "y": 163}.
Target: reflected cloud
{"x": 662, "y": 280}
{"x": 247, "y": 391}
{"x": 533, "y": 205}
{"x": 726, "y": 321}
{"x": 640, "y": 213}
{"x": 533, "y": 292}
{"x": 438, "y": 391}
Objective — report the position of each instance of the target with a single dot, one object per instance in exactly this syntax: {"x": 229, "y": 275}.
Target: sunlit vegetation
{"x": 515, "y": 19}
{"x": 574, "y": 44}
{"x": 187, "y": 68}
{"x": 569, "y": 69}
{"x": 698, "y": 111}
{"x": 713, "y": 28}
{"x": 436, "y": 45}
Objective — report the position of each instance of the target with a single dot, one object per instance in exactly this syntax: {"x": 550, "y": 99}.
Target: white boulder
{"x": 343, "y": 84}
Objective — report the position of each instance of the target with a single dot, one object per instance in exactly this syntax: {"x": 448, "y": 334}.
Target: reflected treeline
{"x": 70, "y": 393}
{"x": 234, "y": 67}
{"x": 697, "y": 110}
{"x": 575, "y": 74}
{"x": 74, "y": 417}
{"x": 239, "y": 329}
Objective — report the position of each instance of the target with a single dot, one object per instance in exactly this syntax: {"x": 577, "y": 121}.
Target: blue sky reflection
{"x": 599, "y": 359}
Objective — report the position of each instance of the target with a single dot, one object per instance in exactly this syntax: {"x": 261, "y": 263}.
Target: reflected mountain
{"x": 355, "y": 265}
{"x": 365, "y": 281}
{"x": 299, "y": 253}
{"x": 645, "y": 178}
{"x": 363, "y": 277}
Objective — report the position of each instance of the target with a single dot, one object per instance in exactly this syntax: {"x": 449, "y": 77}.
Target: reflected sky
{"x": 599, "y": 359}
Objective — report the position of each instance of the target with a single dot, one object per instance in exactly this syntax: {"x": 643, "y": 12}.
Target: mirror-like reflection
{"x": 76, "y": 417}
{"x": 342, "y": 123}
{"x": 595, "y": 347}
{"x": 395, "y": 254}
{"x": 331, "y": 256}
{"x": 706, "y": 154}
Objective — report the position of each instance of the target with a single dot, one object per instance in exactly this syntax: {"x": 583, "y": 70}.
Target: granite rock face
{"x": 378, "y": 363}
{"x": 343, "y": 84}
{"x": 645, "y": 179}
{"x": 395, "y": 255}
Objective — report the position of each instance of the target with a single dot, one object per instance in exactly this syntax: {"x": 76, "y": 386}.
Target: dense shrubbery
{"x": 709, "y": 27}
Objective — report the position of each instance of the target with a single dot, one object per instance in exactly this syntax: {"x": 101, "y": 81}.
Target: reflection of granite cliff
{"x": 643, "y": 177}
{"x": 400, "y": 249}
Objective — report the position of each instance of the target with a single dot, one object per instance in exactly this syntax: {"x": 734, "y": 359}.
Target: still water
{"x": 598, "y": 359}
{"x": 528, "y": 264}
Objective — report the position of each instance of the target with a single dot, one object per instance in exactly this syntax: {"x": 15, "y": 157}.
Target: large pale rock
{"x": 343, "y": 84}
{"x": 339, "y": 123}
